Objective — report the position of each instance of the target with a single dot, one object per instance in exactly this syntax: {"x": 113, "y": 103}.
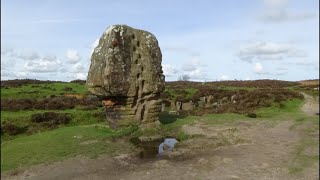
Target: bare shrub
{"x": 10, "y": 129}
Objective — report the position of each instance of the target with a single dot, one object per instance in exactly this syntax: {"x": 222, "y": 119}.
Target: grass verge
{"x": 59, "y": 144}
{"x": 306, "y": 152}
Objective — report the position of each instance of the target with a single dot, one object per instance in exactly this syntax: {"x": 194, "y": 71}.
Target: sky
{"x": 207, "y": 40}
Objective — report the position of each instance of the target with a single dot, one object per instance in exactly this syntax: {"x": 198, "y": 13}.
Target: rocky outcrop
{"x": 126, "y": 72}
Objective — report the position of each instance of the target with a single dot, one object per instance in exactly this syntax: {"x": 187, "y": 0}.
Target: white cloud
{"x": 192, "y": 65}
{"x": 78, "y": 68}
{"x": 43, "y": 65}
{"x": 28, "y": 55}
{"x": 258, "y": 68}
{"x": 169, "y": 70}
{"x": 63, "y": 70}
{"x": 21, "y": 75}
{"x": 268, "y": 51}
{"x": 51, "y": 58}
{"x": 31, "y": 61}
{"x": 73, "y": 56}
{"x": 276, "y": 12}
{"x": 195, "y": 69}
{"x": 5, "y": 73}
{"x": 198, "y": 74}
{"x": 6, "y": 51}
{"x": 82, "y": 76}
{"x": 6, "y": 63}
{"x": 7, "y": 58}
{"x": 94, "y": 45}
{"x": 278, "y": 16}
{"x": 224, "y": 77}
{"x": 73, "y": 76}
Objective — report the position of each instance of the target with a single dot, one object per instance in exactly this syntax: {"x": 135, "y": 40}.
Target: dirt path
{"x": 257, "y": 150}
{"x": 251, "y": 151}
{"x": 311, "y": 106}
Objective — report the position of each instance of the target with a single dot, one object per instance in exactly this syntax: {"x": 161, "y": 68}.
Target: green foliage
{"x": 125, "y": 131}
{"x": 182, "y": 136}
{"x": 191, "y": 92}
{"x": 290, "y": 107}
{"x": 184, "y": 94}
{"x": 166, "y": 118}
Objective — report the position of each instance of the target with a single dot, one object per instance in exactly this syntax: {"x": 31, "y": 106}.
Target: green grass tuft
{"x": 58, "y": 144}
{"x": 289, "y": 108}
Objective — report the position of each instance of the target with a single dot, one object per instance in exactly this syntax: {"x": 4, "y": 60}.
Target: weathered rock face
{"x": 126, "y": 69}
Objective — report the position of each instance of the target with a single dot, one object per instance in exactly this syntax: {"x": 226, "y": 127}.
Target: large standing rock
{"x": 126, "y": 69}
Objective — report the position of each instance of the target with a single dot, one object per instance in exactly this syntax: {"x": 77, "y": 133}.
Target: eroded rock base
{"x": 127, "y": 111}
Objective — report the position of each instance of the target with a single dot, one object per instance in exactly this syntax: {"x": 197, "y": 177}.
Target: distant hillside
{"x": 312, "y": 83}
{"x": 20, "y": 82}
{"x": 263, "y": 83}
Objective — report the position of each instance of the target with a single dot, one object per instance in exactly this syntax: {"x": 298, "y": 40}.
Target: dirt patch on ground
{"x": 239, "y": 150}
{"x": 245, "y": 150}
{"x": 89, "y": 142}
{"x": 311, "y": 106}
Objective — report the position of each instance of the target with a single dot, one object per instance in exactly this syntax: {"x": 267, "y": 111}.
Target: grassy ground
{"x": 22, "y": 119}
{"x": 87, "y": 136}
{"x": 308, "y": 127}
{"x": 79, "y": 117}
{"x": 287, "y": 109}
{"x": 63, "y": 142}
{"x": 190, "y": 92}
{"x": 41, "y": 90}
{"x": 58, "y": 144}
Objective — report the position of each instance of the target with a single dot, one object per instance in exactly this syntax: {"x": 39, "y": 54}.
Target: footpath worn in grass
{"x": 58, "y": 144}
{"x": 308, "y": 127}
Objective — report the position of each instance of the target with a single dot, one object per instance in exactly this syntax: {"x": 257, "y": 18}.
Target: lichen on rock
{"x": 126, "y": 69}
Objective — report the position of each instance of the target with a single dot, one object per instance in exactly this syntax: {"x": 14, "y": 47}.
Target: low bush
{"x": 47, "y": 120}
{"x": 237, "y": 101}
{"x": 100, "y": 116}
{"x": 10, "y": 129}
{"x": 50, "y": 118}
{"x": 20, "y": 82}
{"x": 252, "y": 115}
{"x": 48, "y": 103}
{"x": 67, "y": 89}
{"x": 78, "y": 81}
